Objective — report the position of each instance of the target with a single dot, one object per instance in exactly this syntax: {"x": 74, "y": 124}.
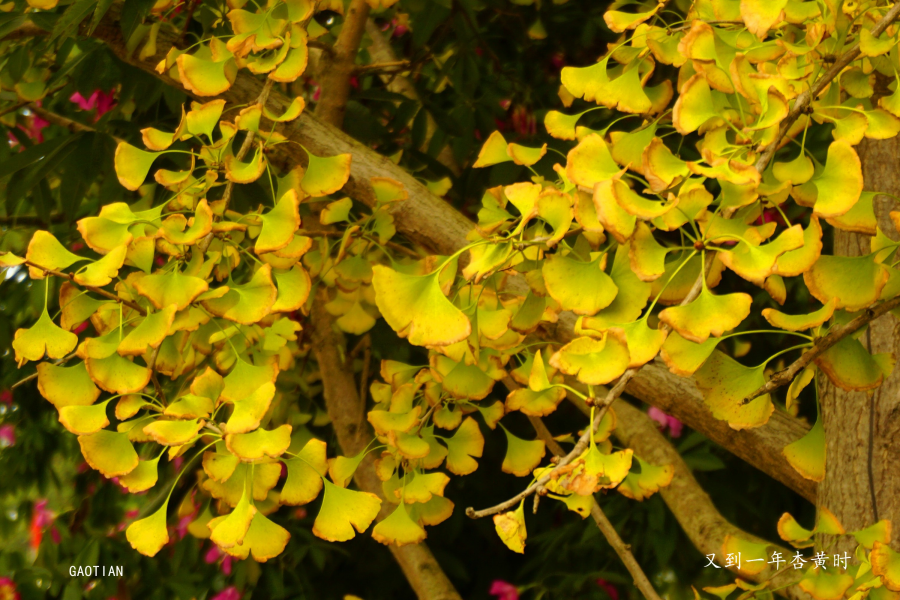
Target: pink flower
{"x": 610, "y": 588}
{"x": 8, "y": 589}
{"x": 80, "y": 328}
{"x": 504, "y": 590}
{"x": 102, "y": 101}
{"x": 214, "y": 554}
{"x": 229, "y": 593}
{"x": 666, "y": 421}
{"x": 7, "y": 436}
{"x": 35, "y": 128}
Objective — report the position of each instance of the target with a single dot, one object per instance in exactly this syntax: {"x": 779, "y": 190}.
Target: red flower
{"x": 610, "y": 588}
{"x": 6, "y": 397}
{"x": 41, "y": 518}
{"x": 229, "y": 593}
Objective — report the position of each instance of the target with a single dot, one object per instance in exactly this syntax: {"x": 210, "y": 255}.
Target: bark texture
{"x": 862, "y": 429}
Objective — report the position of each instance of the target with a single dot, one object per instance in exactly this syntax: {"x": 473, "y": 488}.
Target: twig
{"x": 393, "y": 64}
{"x": 787, "y": 375}
{"x": 606, "y": 528}
{"x": 248, "y": 141}
{"x": 13, "y": 108}
{"x": 339, "y": 66}
{"x": 34, "y": 375}
{"x": 70, "y": 124}
{"x": 805, "y": 98}
{"x": 96, "y": 290}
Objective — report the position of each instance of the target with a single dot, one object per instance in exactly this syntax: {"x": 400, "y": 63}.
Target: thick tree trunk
{"x": 862, "y": 430}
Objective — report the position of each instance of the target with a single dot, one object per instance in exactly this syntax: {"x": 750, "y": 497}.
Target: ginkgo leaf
{"x": 759, "y": 16}
{"x": 510, "y": 527}
{"x": 640, "y": 486}
{"x": 886, "y": 564}
{"x": 249, "y": 411}
{"x": 230, "y": 530}
{"x": 694, "y": 106}
{"x": 708, "y": 315}
{"x": 173, "y": 433}
{"x": 206, "y": 77}
{"x": 175, "y": 228}
{"x": 45, "y": 250}
{"x": 246, "y": 303}
{"x": 522, "y": 456}
{"x": 304, "y": 474}
{"x": 398, "y": 528}
{"x": 494, "y": 151}
{"x": 164, "y": 289}
{"x": 840, "y": 183}
{"x": 336, "y": 211}
{"x": 239, "y": 171}
{"x": 619, "y": 21}
{"x": 133, "y": 165}
{"x": 853, "y": 282}
{"x": 594, "y": 361}
{"x": 143, "y": 477}
{"x": 203, "y": 118}
{"x": 799, "y": 322}
{"x": 264, "y": 540}
{"x": 631, "y": 298}
{"x": 109, "y": 452}
{"x": 851, "y": 367}
{"x": 879, "y": 532}
{"x": 751, "y": 553}
{"x": 416, "y": 308}
{"x": 149, "y": 333}
{"x": 823, "y": 585}
{"x": 84, "y": 420}
{"x": 257, "y": 445}
{"x": 466, "y": 443}
{"x": 579, "y": 286}
{"x": 246, "y": 379}
{"x": 325, "y": 175}
{"x": 44, "y": 338}
{"x": 149, "y": 535}
{"x": 343, "y": 510}
{"x": 117, "y": 374}
{"x": 293, "y": 287}
{"x": 66, "y": 386}
{"x": 560, "y": 125}
{"x": 279, "y": 224}
{"x": 797, "y": 262}
{"x": 615, "y": 219}
{"x": 590, "y": 162}
{"x": 609, "y": 469}
{"x": 725, "y": 383}
{"x": 684, "y": 357}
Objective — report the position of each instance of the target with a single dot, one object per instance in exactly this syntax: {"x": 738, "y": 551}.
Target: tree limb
{"x": 836, "y": 334}
{"x": 338, "y": 67}
{"x": 96, "y": 290}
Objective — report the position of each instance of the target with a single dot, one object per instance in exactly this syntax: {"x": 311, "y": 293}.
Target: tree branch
{"x": 96, "y": 290}
{"x": 836, "y": 334}
{"x": 262, "y": 99}
{"x": 806, "y": 97}
{"x": 606, "y": 528}
{"x": 339, "y": 66}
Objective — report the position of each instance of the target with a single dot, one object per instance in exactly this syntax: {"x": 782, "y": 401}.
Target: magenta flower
{"x": 214, "y": 554}
{"x": 610, "y": 588}
{"x": 7, "y": 436}
{"x": 666, "y": 421}
{"x": 6, "y": 397}
{"x": 229, "y": 593}
{"x": 504, "y": 590}
{"x": 42, "y": 518}
{"x": 8, "y": 589}
{"x": 103, "y": 102}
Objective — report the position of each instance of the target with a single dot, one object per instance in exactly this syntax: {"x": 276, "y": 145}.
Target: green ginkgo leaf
{"x": 853, "y": 282}
{"x": 522, "y": 456}
{"x": 708, "y": 315}
{"x": 631, "y": 298}
{"x": 725, "y": 384}
{"x": 851, "y": 367}
{"x": 399, "y": 528}
{"x": 823, "y": 585}
{"x": 246, "y": 303}
{"x": 640, "y": 486}
{"x": 246, "y": 379}
{"x": 44, "y": 338}
{"x": 644, "y": 342}
{"x": 149, "y": 534}
{"x": 149, "y": 333}
{"x": 694, "y": 106}
{"x": 343, "y": 510}
{"x": 684, "y": 357}
{"x": 840, "y": 183}
{"x": 109, "y": 452}
{"x": 336, "y": 212}
{"x": 325, "y": 175}
{"x": 579, "y": 286}
{"x": 590, "y": 162}
{"x": 416, "y": 308}
{"x": 203, "y": 118}
{"x": 757, "y": 262}
{"x": 206, "y": 77}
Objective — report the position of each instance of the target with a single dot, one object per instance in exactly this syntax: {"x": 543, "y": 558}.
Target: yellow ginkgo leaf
{"x": 149, "y": 535}
{"x": 725, "y": 384}
{"x": 325, "y": 175}
{"x": 640, "y": 486}
{"x": 173, "y": 433}
{"x": 343, "y": 510}
{"x": 109, "y": 452}
{"x": 84, "y": 420}
{"x": 522, "y": 456}
{"x": 247, "y": 303}
{"x": 466, "y": 443}
{"x": 44, "y": 338}
{"x": 398, "y": 528}
{"x": 45, "y": 250}
{"x": 279, "y": 224}
{"x": 264, "y": 540}
{"x": 66, "y": 386}
{"x": 579, "y": 286}
{"x": 143, "y": 477}
{"x": 206, "y": 77}
{"x": 708, "y": 315}
{"x": 510, "y": 527}
{"x": 260, "y": 444}
{"x": 493, "y": 152}
{"x": 230, "y": 530}
{"x": 304, "y": 474}
{"x": 594, "y": 361}
{"x": 417, "y": 309}
{"x": 132, "y": 165}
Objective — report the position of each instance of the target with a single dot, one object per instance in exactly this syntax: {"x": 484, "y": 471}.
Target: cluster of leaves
{"x": 213, "y": 299}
